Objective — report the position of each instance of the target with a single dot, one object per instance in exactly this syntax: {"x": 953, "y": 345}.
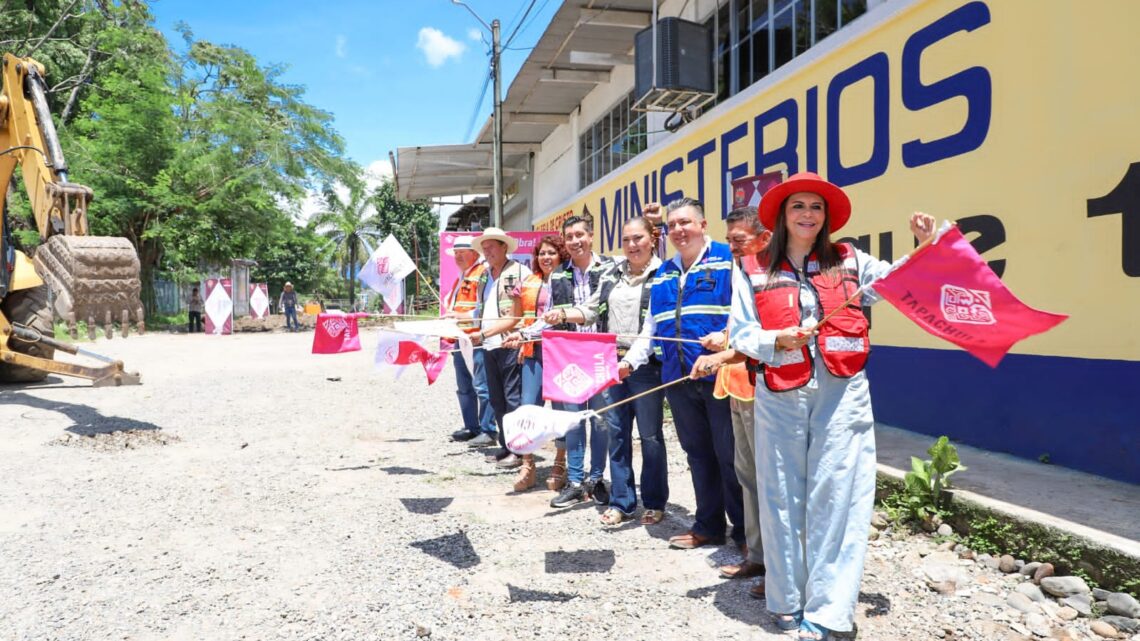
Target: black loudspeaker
{"x": 684, "y": 57}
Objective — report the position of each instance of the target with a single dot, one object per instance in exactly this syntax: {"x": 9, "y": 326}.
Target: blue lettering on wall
{"x": 698, "y": 155}
{"x": 728, "y": 173}
{"x": 973, "y": 84}
{"x": 786, "y": 153}
{"x": 811, "y": 109}
{"x": 674, "y": 166}
{"x": 877, "y": 68}
{"x": 611, "y": 224}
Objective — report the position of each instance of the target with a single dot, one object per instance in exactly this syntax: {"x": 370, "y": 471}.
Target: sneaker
{"x": 600, "y": 492}
{"x": 572, "y": 494}
{"x": 482, "y": 440}
{"x": 463, "y": 435}
{"x": 510, "y": 461}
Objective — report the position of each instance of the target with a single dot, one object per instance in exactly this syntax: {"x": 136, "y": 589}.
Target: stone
{"x": 982, "y": 558}
{"x": 943, "y": 578}
{"x": 1124, "y": 605}
{"x": 1063, "y": 586}
{"x": 422, "y": 631}
{"x": 993, "y": 563}
{"x": 1100, "y": 594}
{"x": 992, "y": 600}
{"x": 1005, "y": 564}
{"x": 964, "y": 552}
{"x": 1042, "y": 571}
{"x": 947, "y": 546}
{"x": 1029, "y": 568}
{"x": 1126, "y": 625}
{"x": 879, "y": 521}
{"x": 873, "y": 535}
{"x": 1067, "y": 614}
{"x": 1050, "y": 607}
{"x": 1032, "y": 591}
{"x": 1022, "y": 603}
{"x": 1038, "y": 625}
{"x": 1102, "y": 629}
{"x": 1018, "y": 564}
{"x": 945, "y": 530}
{"x": 1080, "y": 602}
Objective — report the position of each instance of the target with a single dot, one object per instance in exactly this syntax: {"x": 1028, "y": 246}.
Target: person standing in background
{"x": 288, "y": 303}
{"x": 194, "y": 325}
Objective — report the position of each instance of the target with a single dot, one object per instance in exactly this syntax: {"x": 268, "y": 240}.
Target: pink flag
{"x": 577, "y": 365}
{"x": 336, "y": 333}
{"x": 952, "y": 293}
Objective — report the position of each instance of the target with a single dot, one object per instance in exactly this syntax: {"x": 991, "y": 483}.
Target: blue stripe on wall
{"x": 1083, "y": 413}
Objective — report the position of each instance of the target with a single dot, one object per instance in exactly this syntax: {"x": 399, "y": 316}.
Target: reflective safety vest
{"x": 842, "y": 342}
{"x": 466, "y": 295}
{"x": 691, "y": 311}
{"x": 736, "y": 381}
{"x": 528, "y": 295}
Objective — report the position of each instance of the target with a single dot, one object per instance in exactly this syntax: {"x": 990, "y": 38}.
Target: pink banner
{"x": 577, "y": 365}
{"x": 449, "y": 274}
{"x": 219, "y": 306}
{"x": 336, "y": 333}
{"x": 748, "y": 190}
{"x": 950, "y": 291}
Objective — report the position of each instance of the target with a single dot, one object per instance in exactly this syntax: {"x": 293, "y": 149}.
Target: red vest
{"x": 842, "y": 342}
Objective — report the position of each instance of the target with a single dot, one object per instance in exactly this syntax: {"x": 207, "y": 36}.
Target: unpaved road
{"x": 254, "y": 497}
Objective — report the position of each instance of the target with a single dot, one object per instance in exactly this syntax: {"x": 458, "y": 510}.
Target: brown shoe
{"x": 744, "y": 570}
{"x": 557, "y": 479}
{"x": 757, "y": 591}
{"x": 690, "y": 540}
{"x": 525, "y": 479}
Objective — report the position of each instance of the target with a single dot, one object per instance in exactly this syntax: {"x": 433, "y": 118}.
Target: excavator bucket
{"x": 94, "y": 278}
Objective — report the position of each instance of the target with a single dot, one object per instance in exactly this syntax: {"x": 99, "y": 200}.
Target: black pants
{"x": 195, "y": 324}
{"x": 504, "y": 382}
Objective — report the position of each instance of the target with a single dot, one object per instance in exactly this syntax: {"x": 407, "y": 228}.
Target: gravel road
{"x": 250, "y": 490}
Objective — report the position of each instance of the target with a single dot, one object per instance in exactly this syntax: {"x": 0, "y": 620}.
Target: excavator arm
{"x": 90, "y": 278}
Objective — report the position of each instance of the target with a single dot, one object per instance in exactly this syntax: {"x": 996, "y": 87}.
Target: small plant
{"x": 1044, "y": 458}
{"x": 924, "y": 485}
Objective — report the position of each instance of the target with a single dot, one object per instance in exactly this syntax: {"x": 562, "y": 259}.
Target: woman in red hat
{"x": 815, "y": 446}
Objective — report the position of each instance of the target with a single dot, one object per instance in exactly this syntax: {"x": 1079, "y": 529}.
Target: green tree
{"x": 413, "y": 223}
{"x": 351, "y": 225}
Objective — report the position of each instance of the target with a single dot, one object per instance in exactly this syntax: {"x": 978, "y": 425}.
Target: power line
{"x": 526, "y": 13}
{"x": 478, "y": 107}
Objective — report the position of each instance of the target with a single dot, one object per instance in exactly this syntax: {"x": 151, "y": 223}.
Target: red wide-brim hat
{"x": 838, "y": 204}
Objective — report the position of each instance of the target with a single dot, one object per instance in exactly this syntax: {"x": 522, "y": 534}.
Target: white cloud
{"x": 475, "y": 34}
{"x": 377, "y": 172}
{"x": 438, "y": 47}
{"x": 341, "y": 46}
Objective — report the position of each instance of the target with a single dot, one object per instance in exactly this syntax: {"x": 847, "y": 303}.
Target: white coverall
{"x": 815, "y": 466}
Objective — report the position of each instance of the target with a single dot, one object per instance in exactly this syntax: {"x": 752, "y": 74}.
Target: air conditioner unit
{"x": 684, "y": 66}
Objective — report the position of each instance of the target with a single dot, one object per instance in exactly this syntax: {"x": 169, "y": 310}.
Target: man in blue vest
{"x": 692, "y": 297}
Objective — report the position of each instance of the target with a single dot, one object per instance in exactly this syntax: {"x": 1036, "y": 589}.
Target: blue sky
{"x": 367, "y": 62}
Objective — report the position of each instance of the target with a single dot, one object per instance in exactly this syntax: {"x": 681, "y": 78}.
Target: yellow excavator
{"x": 72, "y": 275}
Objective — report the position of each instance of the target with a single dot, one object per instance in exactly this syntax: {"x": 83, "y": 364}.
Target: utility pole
{"x": 497, "y": 143}
{"x": 497, "y": 116}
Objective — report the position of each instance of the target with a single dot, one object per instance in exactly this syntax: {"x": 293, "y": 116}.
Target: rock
{"x": 1124, "y": 605}
{"x": 872, "y": 535}
{"x": 1067, "y": 614}
{"x": 1080, "y": 602}
{"x": 1029, "y": 568}
{"x": 1038, "y": 625}
{"x": 992, "y": 600}
{"x": 422, "y": 631}
{"x": 1005, "y": 564}
{"x": 1100, "y": 594}
{"x": 1020, "y": 629}
{"x": 1022, "y": 603}
{"x": 943, "y": 578}
{"x": 1063, "y": 586}
{"x": 993, "y": 563}
{"x": 947, "y": 546}
{"x": 879, "y": 521}
{"x": 1032, "y": 591}
{"x": 945, "y": 530}
{"x": 1018, "y": 564}
{"x": 1126, "y": 625}
{"x": 1102, "y": 629}
{"x": 982, "y": 558}
{"x": 1042, "y": 571}
{"x": 1050, "y": 607}
{"x": 964, "y": 552}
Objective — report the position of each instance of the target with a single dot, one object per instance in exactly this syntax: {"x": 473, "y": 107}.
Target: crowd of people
{"x": 765, "y": 338}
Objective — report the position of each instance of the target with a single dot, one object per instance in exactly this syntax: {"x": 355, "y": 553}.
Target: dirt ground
{"x": 251, "y": 490}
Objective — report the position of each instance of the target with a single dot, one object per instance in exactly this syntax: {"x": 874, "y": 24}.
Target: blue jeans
{"x": 649, "y": 412}
{"x": 479, "y": 382}
{"x": 576, "y": 442}
{"x": 532, "y": 382}
{"x": 291, "y": 315}
{"x": 465, "y": 390}
{"x": 704, "y": 428}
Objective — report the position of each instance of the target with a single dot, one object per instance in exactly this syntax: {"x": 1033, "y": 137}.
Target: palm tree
{"x": 347, "y": 223}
